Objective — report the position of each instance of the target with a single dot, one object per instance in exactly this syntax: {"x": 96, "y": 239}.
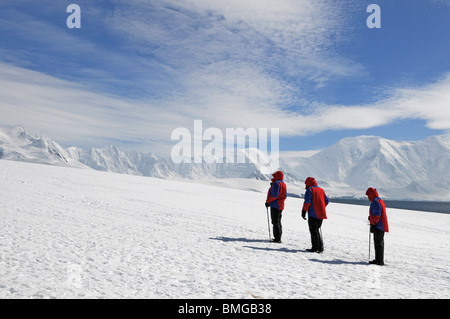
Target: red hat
{"x": 310, "y": 181}
{"x": 372, "y": 193}
{"x": 278, "y": 176}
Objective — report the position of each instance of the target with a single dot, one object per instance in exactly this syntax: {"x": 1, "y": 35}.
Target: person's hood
{"x": 278, "y": 176}
{"x": 310, "y": 181}
{"x": 372, "y": 193}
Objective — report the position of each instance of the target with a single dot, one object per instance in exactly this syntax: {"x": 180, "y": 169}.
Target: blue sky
{"x": 136, "y": 70}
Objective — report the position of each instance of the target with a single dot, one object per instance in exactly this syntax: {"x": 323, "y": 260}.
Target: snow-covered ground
{"x": 75, "y": 233}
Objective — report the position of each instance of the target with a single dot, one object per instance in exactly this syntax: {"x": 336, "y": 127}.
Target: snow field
{"x": 75, "y": 233}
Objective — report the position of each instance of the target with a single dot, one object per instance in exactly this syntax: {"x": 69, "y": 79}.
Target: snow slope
{"x": 68, "y": 233}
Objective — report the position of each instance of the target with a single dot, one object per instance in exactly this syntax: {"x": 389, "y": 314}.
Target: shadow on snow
{"x": 285, "y": 250}
{"x": 246, "y": 240}
{"x": 339, "y": 262}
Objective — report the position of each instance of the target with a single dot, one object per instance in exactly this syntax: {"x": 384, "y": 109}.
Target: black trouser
{"x": 378, "y": 238}
{"x": 276, "y": 222}
{"x": 314, "y": 229}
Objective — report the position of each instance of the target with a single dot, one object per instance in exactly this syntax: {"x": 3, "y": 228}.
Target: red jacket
{"x": 377, "y": 210}
{"x": 315, "y": 200}
{"x": 277, "y": 191}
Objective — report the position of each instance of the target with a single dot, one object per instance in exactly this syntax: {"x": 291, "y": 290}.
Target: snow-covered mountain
{"x": 397, "y": 169}
{"x": 417, "y": 170}
{"x": 17, "y": 144}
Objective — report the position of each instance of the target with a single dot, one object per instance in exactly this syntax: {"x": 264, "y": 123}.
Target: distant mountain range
{"x": 18, "y": 145}
{"x": 418, "y": 170}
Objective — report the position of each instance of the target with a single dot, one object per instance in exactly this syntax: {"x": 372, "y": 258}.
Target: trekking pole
{"x": 268, "y": 223}
{"x": 368, "y": 223}
{"x": 321, "y": 237}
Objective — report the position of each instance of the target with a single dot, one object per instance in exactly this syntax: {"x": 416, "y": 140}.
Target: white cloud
{"x": 293, "y": 34}
{"x": 76, "y": 116}
{"x": 224, "y": 62}
{"x": 430, "y": 103}
{"x": 72, "y": 113}
{"x": 229, "y": 60}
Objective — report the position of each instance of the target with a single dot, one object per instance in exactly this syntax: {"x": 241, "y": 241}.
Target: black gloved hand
{"x": 304, "y": 214}
{"x": 267, "y": 205}
{"x": 373, "y": 228}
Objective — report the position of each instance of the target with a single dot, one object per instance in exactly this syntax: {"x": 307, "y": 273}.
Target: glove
{"x": 267, "y": 205}
{"x": 304, "y": 214}
{"x": 373, "y": 228}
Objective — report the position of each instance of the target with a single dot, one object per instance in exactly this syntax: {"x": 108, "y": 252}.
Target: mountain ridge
{"x": 398, "y": 169}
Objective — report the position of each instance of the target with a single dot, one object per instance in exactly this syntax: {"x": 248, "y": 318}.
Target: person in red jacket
{"x": 275, "y": 200}
{"x": 378, "y": 224}
{"x": 315, "y": 202}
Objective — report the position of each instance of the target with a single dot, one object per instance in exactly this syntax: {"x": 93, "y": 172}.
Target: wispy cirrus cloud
{"x": 77, "y": 116}
{"x": 239, "y": 56}
{"x": 74, "y": 114}
{"x": 283, "y": 37}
